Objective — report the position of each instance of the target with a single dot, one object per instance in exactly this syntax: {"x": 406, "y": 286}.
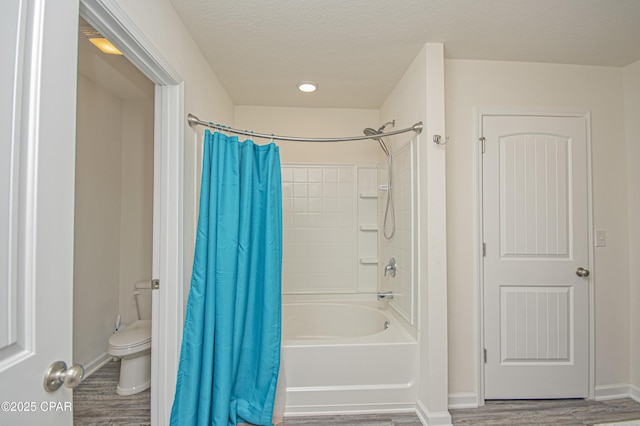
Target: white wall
{"x": 203, "y": 96}
{"x": 314, "y": 122}
{"x": 136, "y": 208}
{"x": 599, "y": 89}
{"x": 97, "y": 220}
{"x": 419, "y": 96}
{"x": 113, "y": 213}
{"x": 631, "y": 75}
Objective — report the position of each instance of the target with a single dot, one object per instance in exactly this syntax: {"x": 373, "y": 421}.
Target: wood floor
{"x": 95, "y": 402}
{"x": 560, "y": 412}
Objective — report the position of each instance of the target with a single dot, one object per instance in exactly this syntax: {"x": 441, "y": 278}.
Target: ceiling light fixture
{"x": 307, "y": 86}
{"x": 97, "y": 39}
{"x": 105, "y": 46}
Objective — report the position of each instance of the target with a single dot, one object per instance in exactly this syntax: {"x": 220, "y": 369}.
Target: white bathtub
{"x": 346, "y": 358}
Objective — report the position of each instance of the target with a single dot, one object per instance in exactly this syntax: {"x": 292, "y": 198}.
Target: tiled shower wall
{"x": 400, "y": 246}
{"x": 329, "y": 229}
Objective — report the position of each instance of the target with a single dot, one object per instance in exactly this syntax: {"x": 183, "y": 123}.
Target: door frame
{"x": 108, "y": 18}
{"x": 480, "y": 113}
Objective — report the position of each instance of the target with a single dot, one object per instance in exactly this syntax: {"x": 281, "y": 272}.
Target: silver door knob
{"x": 581, "y": 272}
{"x": 58, "y": 374}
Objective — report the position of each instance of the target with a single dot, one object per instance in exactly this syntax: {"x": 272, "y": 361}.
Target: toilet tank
{"x": 142, "y": 292}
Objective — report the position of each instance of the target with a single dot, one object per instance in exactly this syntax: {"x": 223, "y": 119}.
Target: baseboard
{"x": 301, "y": 411}
{"x": 463, "y": 400}
{"x": 602, "y": 393}
{"x": 634, "y": 392}
{"x": 95, "y": 364}
{"x": 427, "y": 418}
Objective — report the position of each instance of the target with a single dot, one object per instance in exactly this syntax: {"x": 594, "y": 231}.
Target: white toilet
{"x": 133, "y": 346}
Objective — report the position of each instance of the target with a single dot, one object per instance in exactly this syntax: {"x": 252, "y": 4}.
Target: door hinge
{"x": 484, "y": 354}
{"x": 484, "y": 249}
{"x": 155, "y": 284}
{"x": 482, "y": 141}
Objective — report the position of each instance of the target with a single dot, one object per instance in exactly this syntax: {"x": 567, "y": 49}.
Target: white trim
{"x": 478, "y": 263}
{"x": 615, "y": 391}
{"x": 463, "y": 400}
{"x": 96, "y": 363}
{"x": 108, "y": 17}
{"x": 427, "y": 418}
{"x": 167, "y": 316}
{"x": 347, "y": 409}
{"x": 480, "y": 113}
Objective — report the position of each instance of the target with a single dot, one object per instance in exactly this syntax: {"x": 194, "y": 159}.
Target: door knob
{"x": 58, "y": 374}
{"x": 581, "y": 272}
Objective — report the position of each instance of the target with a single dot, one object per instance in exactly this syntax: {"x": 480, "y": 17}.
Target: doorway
{"x": 113, "y": 201}
{"x": 167, "y": 296}
{"x": 535, "y": 256}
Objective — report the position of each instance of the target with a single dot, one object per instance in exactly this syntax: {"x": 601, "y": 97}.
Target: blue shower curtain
{"x": 231, "y": 343}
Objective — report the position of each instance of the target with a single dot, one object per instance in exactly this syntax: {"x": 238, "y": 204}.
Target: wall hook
{"x": 437, "y": 139}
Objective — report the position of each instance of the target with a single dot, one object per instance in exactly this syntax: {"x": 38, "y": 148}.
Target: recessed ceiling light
{"x": 307, "y": 86}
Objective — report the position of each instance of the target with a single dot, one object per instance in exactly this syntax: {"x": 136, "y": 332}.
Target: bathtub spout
{"x": 386, "y": 295}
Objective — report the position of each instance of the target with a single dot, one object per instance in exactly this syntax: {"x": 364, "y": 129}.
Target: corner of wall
{"x": 631, "y": 88}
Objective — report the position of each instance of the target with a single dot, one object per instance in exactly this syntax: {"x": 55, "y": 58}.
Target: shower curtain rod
{"x": 195, "y": 121}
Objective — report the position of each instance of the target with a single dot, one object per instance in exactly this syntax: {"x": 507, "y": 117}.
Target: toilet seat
{"x": 133, "y": 339}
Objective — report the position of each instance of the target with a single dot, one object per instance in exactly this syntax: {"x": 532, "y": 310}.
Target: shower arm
{"x": 195, "y": 121}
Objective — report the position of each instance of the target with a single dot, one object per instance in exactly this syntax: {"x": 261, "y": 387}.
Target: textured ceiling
{"x": 357, "y": 50}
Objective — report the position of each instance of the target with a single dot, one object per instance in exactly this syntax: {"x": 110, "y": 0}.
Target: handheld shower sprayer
{"x": 389, "y": 213}
{"x": 373, "y": 133}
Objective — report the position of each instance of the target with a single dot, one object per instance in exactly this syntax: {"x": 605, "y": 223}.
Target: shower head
{"x": 376, "y": 135}
{"x": 370, "y": 132}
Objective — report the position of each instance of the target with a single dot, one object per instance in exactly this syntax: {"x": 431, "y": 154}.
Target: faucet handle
{"x": 391, "y": 268}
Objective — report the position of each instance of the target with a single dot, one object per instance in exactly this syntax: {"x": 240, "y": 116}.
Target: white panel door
{"x": 535, "y": 214}
{"x": 37, "y": 163}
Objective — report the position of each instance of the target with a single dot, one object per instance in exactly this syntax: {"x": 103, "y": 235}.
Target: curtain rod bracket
{"x": 192, "y": 120}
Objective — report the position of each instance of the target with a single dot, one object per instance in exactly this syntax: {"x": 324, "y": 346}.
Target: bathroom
{"x": 345, "y": 264}
{"x": 469, "y": 83}
{"x": 450, "y": 347}
{"x": 114, "y": 203}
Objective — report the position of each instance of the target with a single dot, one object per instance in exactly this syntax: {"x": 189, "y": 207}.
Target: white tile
{"x": 329, "y": 204}
{"x": 315, "y": 220}
{"x": 300, "y": 190}
{"x": 315, "y": 174}
{"x": 315, "y": 251}
{"x": 300, "y": 220}
{"x": 300, "y": 236}
{"x": 315, "y": 205}
{"x": 345, "y": 175}
{"x": 300, "y": 174}
{"x": 300, "y": 205}
{"x": 345, "y": 190}
{"x": 330, "y": 189}
{"x": 315, "y": 235}
{"x": 287, "y": 189}
{"x": 315, "y": 189}
{"x": 286, "y": 174}
{"x": 329, "y": 174}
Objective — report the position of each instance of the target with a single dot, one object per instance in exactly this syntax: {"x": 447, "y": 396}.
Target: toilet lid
{"x": 137, "y": 333}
